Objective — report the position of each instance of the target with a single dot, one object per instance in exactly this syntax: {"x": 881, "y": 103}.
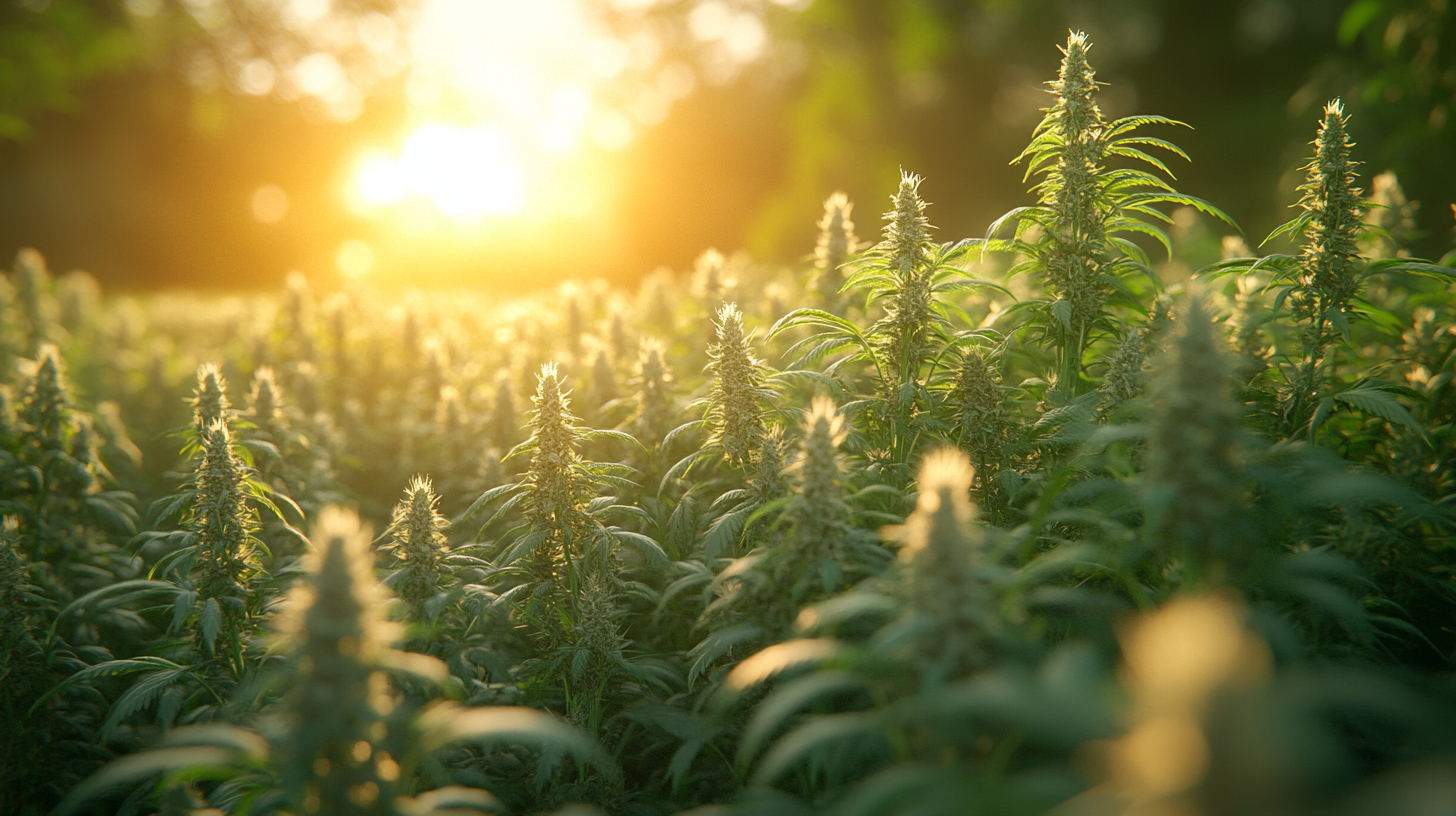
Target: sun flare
{"x": 466, "y": 173}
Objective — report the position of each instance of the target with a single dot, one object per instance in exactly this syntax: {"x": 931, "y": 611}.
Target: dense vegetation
{"x": 1020, "y": 522}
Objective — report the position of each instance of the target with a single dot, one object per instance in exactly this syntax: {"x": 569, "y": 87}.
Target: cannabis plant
{"x": 1077, "y": 239}
{"x": 339, "y": 741}
{"x": 1195, "y": 478}
{"x": 739, "y": 392}
{"x": 835, "y": 245}
{"x": 419, "y": 546}
{"x": 907, "y": 275}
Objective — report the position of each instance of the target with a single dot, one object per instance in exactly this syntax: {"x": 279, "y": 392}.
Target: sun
{"x": 466, "y": 173}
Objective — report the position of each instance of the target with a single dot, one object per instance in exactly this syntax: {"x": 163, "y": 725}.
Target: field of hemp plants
{"x": 1026, "y": 522}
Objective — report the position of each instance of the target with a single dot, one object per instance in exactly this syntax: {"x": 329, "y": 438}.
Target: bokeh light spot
{"x": 270, "y": 204}
{"x": 355, "y": 259}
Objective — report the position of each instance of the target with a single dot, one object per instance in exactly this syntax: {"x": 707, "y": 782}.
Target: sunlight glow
{"x": 465, "y": 173}
{"x": 514, "y": 108}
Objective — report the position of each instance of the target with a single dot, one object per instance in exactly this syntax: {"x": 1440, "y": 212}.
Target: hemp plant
{"x": 835, "y": 245}
{"x": 55, "y": 487}
{"x": 1077, "y": 239}
{"x": 418, "y": 542}
{"x": 1323, "y": 287}
{"x": 738, "y": 392}
{"x": 564, "y": 539}
{"x": 339, "y": 741}
{"x": 907, "y": 274}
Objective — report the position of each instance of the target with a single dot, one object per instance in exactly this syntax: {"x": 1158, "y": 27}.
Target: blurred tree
{"x": 50, "y": 48}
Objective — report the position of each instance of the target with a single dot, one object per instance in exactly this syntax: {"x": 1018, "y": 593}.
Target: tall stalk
{"x": 1330, "y": 265}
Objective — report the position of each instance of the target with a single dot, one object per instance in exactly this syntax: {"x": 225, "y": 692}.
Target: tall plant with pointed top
{"x": 1076, "y": 239}
{"x": 55, "y": 485}
{"x": 419, "y": 544}
{"x": 1330, "y": 267}
{"x": 944, "y": 580}
{"x": 557, "y": 486}
{"x": 338, "y": 704}
{"x": 45, "y": 404}
{"x": 564, "y": 538}
{"x": 905, "y": 255}
{"x": 1323, "y": 284}
{"x": 265, "y": 402}
{"x": 735, "y": 403}
{"x": 209, "y": 399}
{"x": 655, "y": 406}
{"x": 224, "y": 529}
{"x": 835, "y": 244}
{"x": 907, "y": 274}
{"x": 1194, "y": 477}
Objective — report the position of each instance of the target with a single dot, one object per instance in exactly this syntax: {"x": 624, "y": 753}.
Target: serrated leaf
{"x": 1382, "y": 404}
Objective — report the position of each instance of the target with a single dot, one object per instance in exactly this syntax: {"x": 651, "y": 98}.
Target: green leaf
{"x": 791, "y": 748}
{"x": 1382, "y": 404}
{"x": 717, "y": 644}
{"x": 501, "y": 726}
{"x": 1062, "y": 309}
{"x": 209, "y": 618}
{"x": 1321, "y": 413}
{"x": 771, "y": 715}
{"x": 1357, "y": 18}
{"x": 130, "y": 769}
{"x": 648, "y": 548}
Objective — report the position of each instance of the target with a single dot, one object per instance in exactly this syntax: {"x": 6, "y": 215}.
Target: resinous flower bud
{"x": 45, "y": 404}
{"x": 942, "y": 559}
{"x": 223, "y": 525}
{"x": 821, "y": 516}
{"x": 767, "y": 482}
{"x": 907, "y": 231}
{"x": 981, "y": 416}
{"x": 1330, "y": 263}
{"x": 906, "y": 250}
{"x": 654, "y": 415}
{"x": 266, "y": 400}
{"x": 554, "y": 471}
{"x": 418, "y": 543}
{"x": 1124, "y": 378}
{"x": 209, "y": 398}
{"x": 735, "y": 404}
{"x": 1078, "y": 236}
{"x": 1193, "y": 445}
{"x": 836, "y": 243}
{"x": 338, "y": 698}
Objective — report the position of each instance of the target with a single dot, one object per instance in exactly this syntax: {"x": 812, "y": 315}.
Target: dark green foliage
{"x": 1126, "y": 543}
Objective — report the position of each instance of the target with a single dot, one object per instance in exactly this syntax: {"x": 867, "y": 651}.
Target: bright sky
{"x": 515, "y": 108}
{"x": 506, "y": 97}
